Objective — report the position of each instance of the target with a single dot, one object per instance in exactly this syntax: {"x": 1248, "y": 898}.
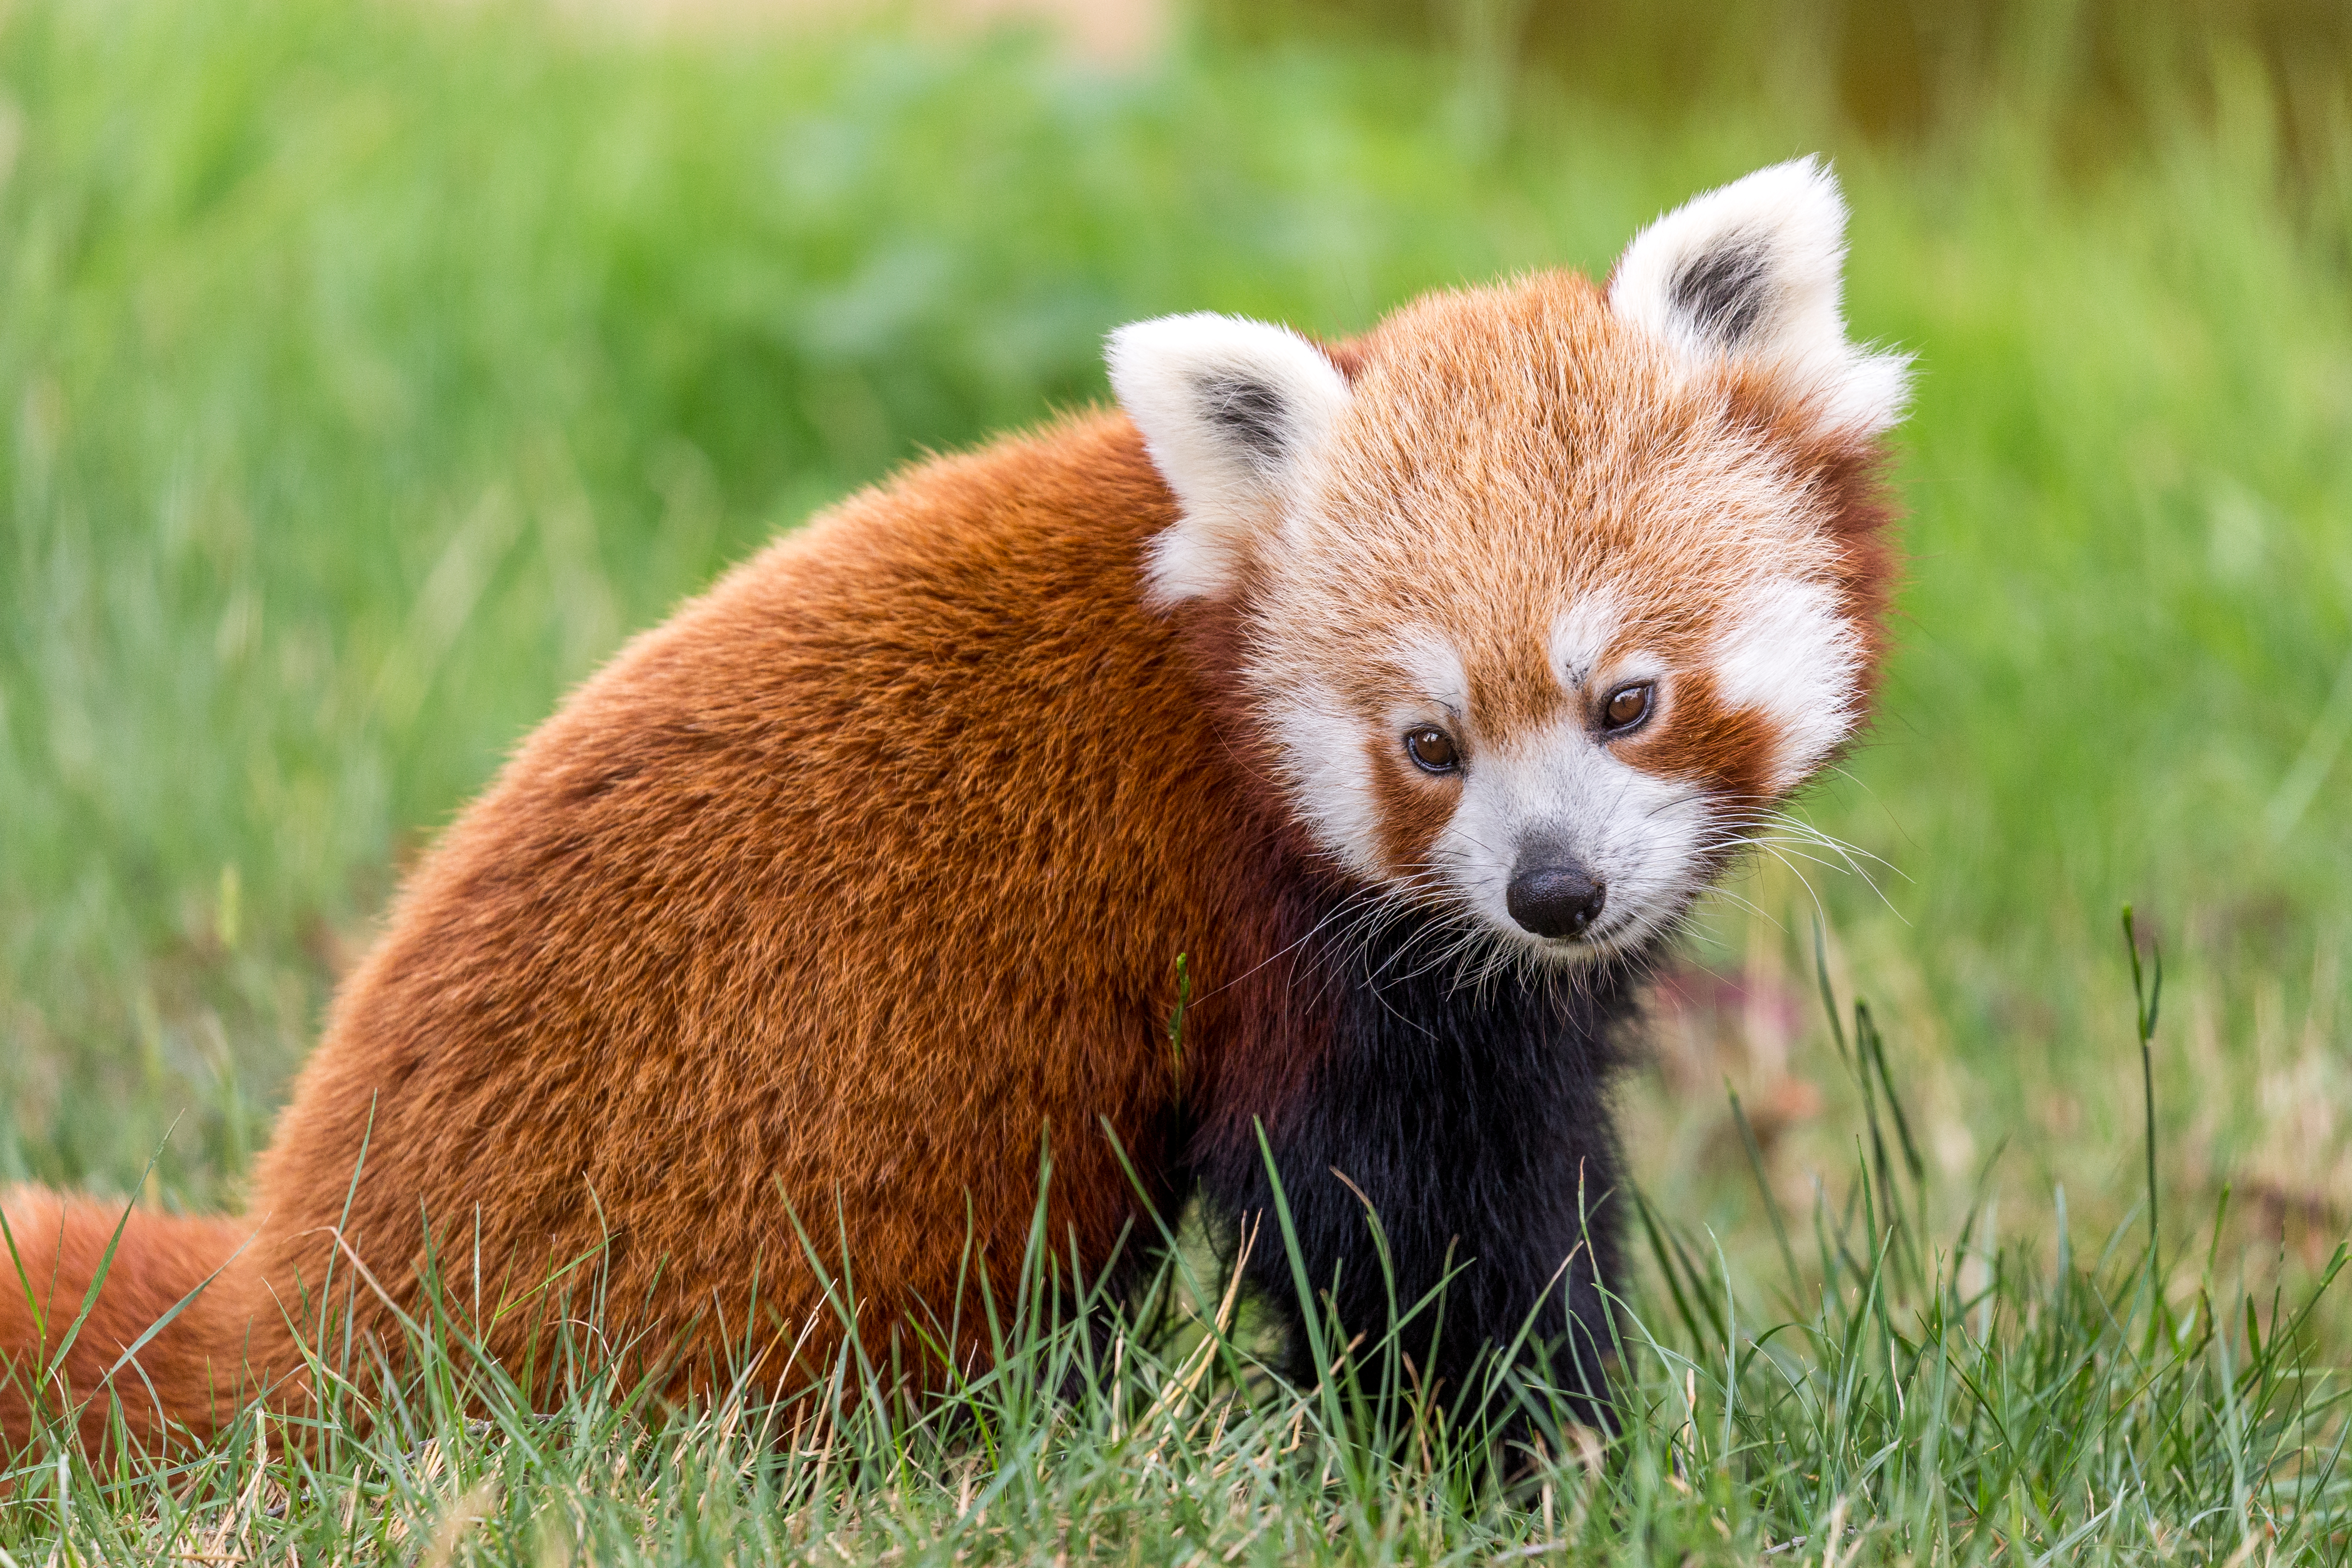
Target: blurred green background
{"x": 370, "y": 371}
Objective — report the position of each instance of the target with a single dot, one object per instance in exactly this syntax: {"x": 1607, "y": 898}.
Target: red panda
{"x": 1411, "y": 689}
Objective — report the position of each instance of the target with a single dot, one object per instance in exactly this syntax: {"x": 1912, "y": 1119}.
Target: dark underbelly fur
{"x": 1476, "y": 1119}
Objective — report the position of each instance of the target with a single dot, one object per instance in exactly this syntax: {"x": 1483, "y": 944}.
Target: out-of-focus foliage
{"x": 2102, "y": 76}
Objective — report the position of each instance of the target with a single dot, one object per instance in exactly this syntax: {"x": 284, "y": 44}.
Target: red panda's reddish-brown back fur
{"x": 831, "y": 904}
{"x": 648, "y": 1001}
{"x": 647, "y": 991}
{"x": 738, "y": 926}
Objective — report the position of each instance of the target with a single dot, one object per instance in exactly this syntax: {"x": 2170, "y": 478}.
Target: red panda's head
{"x": 1546, "y": 593}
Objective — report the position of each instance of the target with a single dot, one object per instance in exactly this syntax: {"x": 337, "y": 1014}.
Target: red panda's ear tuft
{"x": 1752, "y": 271}
{"x": 1233, "y": 412}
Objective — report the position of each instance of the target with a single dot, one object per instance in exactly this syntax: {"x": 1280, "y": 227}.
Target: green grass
{"x": 1899, "y": 1397}
{"x": 367, "y": 373}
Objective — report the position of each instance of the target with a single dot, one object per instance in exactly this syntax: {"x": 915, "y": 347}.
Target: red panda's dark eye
{"x": 1627, "y": 705}
{"x": 1433, "y": 749}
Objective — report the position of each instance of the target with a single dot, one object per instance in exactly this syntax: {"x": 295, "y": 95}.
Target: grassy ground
{"x": 1946, "y": 1403}
{"x": 369, "y": 373}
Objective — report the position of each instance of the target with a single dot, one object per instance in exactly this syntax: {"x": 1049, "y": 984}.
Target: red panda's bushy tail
{"x": 190, "y": 1377}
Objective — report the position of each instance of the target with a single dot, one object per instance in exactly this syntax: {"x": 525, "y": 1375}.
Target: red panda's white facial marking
{"x": 1324, "y": 772}
{"x": 1791, "y": 656}
{"x": 1521, "y": 503}
{"x": 1583, "y": 633}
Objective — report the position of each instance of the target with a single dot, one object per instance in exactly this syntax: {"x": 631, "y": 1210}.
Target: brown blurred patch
{"x": 1708, "y": 1029}
{"x": 2305, "y": 1221}
{"x": 2298, "y": 1166}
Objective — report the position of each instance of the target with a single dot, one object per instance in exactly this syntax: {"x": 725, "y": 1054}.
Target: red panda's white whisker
{"x": 1719, "y": 891}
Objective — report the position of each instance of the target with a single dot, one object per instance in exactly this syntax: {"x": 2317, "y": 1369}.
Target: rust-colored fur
{"x": 194, "y": 1371}
{"x": 842, "y": 888}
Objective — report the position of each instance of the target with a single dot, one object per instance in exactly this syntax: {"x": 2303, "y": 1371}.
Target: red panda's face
{"x": 1553, "y": 594}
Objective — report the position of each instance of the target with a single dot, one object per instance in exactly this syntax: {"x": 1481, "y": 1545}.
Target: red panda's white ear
{"x": 1233, "y": 412}
{"x": 1753, "y": 271}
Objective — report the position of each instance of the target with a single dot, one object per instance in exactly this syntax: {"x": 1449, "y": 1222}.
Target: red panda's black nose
{"x": 1553, "y": 895}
